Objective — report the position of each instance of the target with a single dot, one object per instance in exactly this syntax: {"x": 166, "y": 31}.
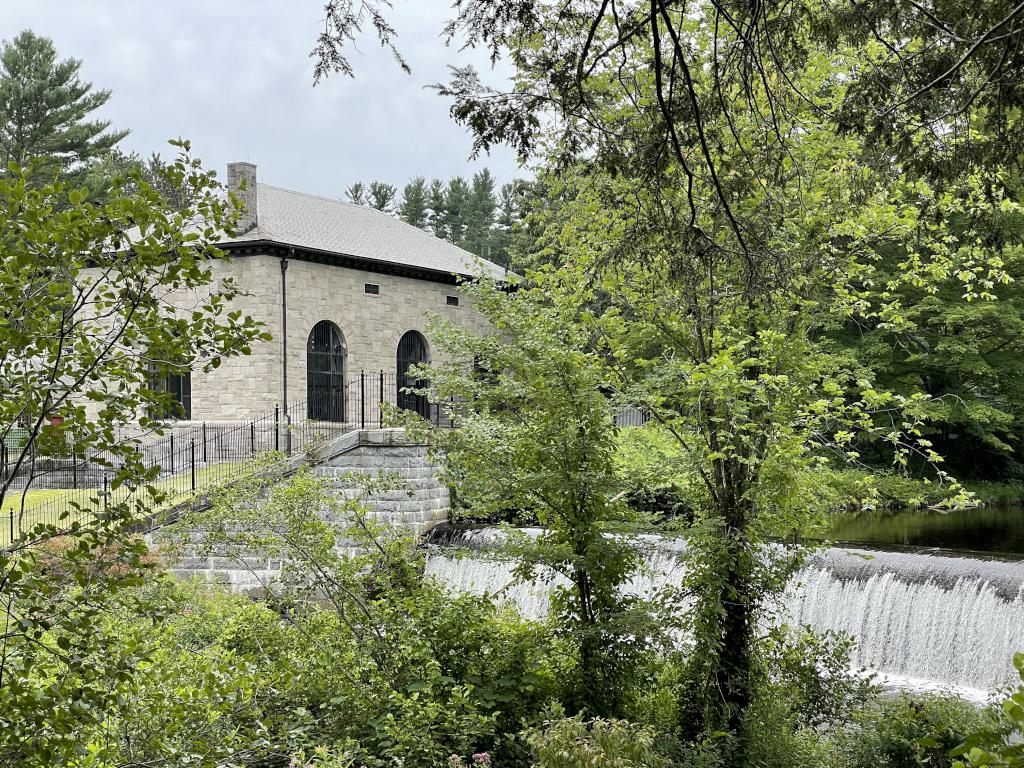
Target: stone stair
{"x": 423, "y": 503}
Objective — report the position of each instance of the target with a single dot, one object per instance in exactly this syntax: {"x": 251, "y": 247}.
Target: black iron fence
{"x": 188, "y": 458}
{"x": 69, "y": 483}
{"x": 631, "y": 416}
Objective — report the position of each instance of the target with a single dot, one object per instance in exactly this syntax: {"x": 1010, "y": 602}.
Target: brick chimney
{"x": 239, "y": 175}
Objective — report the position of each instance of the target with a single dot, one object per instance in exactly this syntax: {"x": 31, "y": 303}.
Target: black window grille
{"x": 371, "y": 288}
{"x": 453, "y": 301}
{"x": 179, "y": 387}
{"x": 325, "y": 373}
{"x": 412, "y": 350}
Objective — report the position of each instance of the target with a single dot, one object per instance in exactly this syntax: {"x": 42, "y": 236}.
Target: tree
{"x": 922, "y": 68}
{"x": 356, "y": 193}
{"x": 967, "y": 356}
{"x": 44, "y": 111}
{"x": 728, "y": 189}
{"x": 438, "y": 209}
{"x": 479, "y": 216}
{"x": 134, "y": 170}
{"x": 456, "y": 209}
{"x": 87, "y": 317}
{"x": 381, "y": 196}
{"x": 413, "y": 209}
{"x": 535, "y": 437}
{"x": 722, "y": 346}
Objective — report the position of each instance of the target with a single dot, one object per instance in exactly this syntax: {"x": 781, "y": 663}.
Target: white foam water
{"x": 921, "y": 621}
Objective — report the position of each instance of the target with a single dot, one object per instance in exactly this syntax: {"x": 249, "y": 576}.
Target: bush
{"x": 1003, "y": 743}
{"x": 909, "y": 731}
{"x": 650, "y": 466}
{"x": 571, "y": 742}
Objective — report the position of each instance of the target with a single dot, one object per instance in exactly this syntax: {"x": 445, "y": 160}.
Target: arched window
{"x": 412, "y": 350}
{"x": 325, "y": 373}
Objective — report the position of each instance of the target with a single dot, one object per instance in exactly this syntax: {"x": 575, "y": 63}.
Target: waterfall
{"x": 919, "y": 620}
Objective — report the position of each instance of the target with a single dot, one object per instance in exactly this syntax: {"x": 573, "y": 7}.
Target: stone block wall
{"x": 371, "y": 325}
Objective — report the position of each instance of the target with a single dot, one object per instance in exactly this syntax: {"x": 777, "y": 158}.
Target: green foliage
{"x": 381, "y": 196}
{"x": 457, "y": 209}
{"x": 908, "y": 731}
{"x": 811, "y": 680}
{"x": 1001, "y": 744}
{"x": 128, "y": 172}
{"x": 965, "y": 355}
{"x": 479, "y": 215}
{"x": 61, "y": 669}
{"x": 413, "y": 208}
{"x": 571, "y": 742}
{"x": 85, "y": 319}
{"x": 471, "y": 215}
{"x": 44, "y": 111}
{"x": 88, "y": 317}
{"x": 654, "y": 476}
{"x": 369, "y": 655}
{"x": 536, "y": 434}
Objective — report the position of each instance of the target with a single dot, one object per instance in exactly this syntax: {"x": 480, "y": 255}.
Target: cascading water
{"x": 918, "y": 619}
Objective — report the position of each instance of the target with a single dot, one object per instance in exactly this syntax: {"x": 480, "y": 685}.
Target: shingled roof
{"x": 319, "y": 224}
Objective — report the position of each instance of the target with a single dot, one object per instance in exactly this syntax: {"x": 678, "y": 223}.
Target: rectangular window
{"x": 179, "y": 387}
{"x": 372, "y": 288}
{"x": 453, "y": 301}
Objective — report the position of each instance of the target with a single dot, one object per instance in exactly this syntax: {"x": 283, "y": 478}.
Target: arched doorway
{"x": 325, "y": 373}
{"x": 412, "y": 350}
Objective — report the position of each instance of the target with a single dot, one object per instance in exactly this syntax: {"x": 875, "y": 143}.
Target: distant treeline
{"x": 472, "y": 214}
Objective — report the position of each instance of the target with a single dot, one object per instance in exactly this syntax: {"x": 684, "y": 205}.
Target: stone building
{"x": 344, "y": 290}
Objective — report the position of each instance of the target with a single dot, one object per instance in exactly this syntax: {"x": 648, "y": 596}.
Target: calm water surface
{"x": 989, "y": 529}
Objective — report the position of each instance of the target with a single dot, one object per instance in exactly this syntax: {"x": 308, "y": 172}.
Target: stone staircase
{"x": 423, "y": 503}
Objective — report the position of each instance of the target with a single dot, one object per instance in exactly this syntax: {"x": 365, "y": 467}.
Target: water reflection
{"x": 988, "y": 529}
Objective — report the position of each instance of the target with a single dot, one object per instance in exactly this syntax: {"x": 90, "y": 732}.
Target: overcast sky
{"x": 235, "y": 77}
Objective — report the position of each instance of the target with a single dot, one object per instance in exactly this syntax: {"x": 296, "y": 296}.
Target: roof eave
{"x": 303, "y": 253}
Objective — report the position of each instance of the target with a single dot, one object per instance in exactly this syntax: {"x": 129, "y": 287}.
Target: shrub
{"x": 1003, "y": 744}
{"x": 909, "y": 731}
{"x": 571, "y": 742}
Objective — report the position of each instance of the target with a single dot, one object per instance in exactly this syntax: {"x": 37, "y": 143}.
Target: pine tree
{"x": 413, "y": 209}
{"x": 456, "y": 202}
{"x": 44, "y": 107}
{"x": 438, "y": 209}
{"x": 382, "y": 196}
{"x": 509, "y": 217}
{"x": 479, "y": 216}
{"x": 356, "y": 193}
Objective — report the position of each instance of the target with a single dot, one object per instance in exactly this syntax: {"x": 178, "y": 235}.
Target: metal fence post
{"x": 172, "y": 453}
{"x": 204, "y": 443}
{"x": 252, "y": 438}
{"x": 105, "y": 482}
{"x": 380, "y": 408}
{"x": 192, "y": 450}
{"x": 74, "y": 469}
{"x": 277, "y": 428}
{"x": 288, "y": 433}
{"x": 362, "y": 399}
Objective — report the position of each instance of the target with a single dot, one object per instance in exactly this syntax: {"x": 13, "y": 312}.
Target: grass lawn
{"x": 46, "y": 505}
